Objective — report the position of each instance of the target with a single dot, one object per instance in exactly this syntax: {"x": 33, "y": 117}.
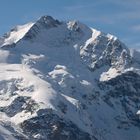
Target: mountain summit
{"x": 63, "y": 80}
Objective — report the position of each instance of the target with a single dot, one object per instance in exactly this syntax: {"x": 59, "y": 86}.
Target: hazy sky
{"x": 118, "y": 17}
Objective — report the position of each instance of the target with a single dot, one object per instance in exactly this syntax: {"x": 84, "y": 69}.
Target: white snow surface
{"x": 16, "y": 34}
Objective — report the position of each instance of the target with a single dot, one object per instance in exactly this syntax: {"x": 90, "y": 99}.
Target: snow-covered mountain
{"x": 65, "y": 81}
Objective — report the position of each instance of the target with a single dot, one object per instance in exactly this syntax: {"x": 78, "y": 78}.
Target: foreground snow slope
{"x": 65, "y": 80}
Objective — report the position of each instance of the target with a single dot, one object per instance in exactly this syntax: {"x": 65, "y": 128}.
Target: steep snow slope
{"x": 65, "y": 80}
{"x": 15, "y": 34}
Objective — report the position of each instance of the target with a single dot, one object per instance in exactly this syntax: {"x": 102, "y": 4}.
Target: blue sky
{"x": 118, "y": 17}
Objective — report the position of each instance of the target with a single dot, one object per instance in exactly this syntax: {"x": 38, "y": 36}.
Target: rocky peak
{"x": 47, "y": 21}
{"x": 43, "y": 23}
{"x": 105, "y": 49}
{"x": 73, "y": 25}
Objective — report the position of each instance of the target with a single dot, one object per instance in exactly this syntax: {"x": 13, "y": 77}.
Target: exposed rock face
{"x": 106, "y": 50}
{"x": 52, "y": 127}
{"x": 125, "y": 91}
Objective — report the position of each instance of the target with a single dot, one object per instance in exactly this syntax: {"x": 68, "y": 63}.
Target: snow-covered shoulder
{"x": 15, "y": 34}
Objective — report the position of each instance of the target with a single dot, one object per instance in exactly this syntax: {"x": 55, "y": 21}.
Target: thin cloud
{"x": 136, "y": 45}
{"x": 131, "y": 15}
{"x": 125, "y": 10}
{"x": 136, "y": 28}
